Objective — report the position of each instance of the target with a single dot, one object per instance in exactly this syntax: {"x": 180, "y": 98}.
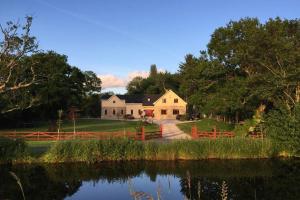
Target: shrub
{"x": 243, "y": 129}
{"x": 11, "y": 149}
{"x": 284, "y": 127}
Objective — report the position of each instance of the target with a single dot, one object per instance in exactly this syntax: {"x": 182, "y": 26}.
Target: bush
{"x": 12, "y": 150}
{"x": 284, "y": 127}
{"x": 243, "y": 129}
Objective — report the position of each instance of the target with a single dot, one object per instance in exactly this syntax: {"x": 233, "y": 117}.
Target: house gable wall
{"x": 113, "y": 108}
{"x": 166, "y": 108}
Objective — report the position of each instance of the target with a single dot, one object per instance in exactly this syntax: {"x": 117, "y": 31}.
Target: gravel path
{"x": 171, "y": 131}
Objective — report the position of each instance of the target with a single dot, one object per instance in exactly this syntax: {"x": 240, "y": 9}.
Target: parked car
{"x": 128, "y": 116}
{"x": 181, "y": 117}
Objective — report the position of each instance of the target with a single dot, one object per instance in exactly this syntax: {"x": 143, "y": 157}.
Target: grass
{"x": 38, "y": 148}
{"x": 205, "y": 125}
{"x": 124, "y": 150}
{"x": 92, "y": 151}
{"x": 90, "y": 125}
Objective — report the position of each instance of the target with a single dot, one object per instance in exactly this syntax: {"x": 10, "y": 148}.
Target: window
{"x": 175, "y": 100}
{"x": 140, "y": 112}
{"x": 163, "y": 112}
{"x": 175, "y": 112}
{"x": 131, "y": 112}
{"x": 121, "y": 112}
{"x": 114, "y": 101}
{"x": 164, "y": 100}
{"x": 114, "y": 112}
{"x": 105, "y": 112}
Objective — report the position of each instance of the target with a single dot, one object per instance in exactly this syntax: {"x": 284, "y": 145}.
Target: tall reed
{"x": 124, "y": 149}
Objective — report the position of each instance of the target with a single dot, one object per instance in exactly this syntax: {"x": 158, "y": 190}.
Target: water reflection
{"x": 246, "y": 179}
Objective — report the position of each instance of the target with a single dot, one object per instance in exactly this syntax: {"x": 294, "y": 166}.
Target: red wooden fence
{"x": 211, "y": 134}
{"x": 52, "y": 136}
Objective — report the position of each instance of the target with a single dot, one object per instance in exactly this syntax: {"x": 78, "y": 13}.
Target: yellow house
{"x": 166, "y": 106}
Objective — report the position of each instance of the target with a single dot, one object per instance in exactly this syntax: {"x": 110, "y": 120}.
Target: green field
{"x": 96, "y": 125}
{"x": 205, "y": 125}
{"x": 36, "y": 148}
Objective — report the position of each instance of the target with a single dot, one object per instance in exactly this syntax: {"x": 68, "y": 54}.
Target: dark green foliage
{"x": 59, "y": 86}
{"x": 12, "y": 150}
{"x": 247, "y": 63}
{"x": 153, "y": 71}
{"x": 284, "y": 127}
{"x": 156, "y": 83}
{"x": 91, "y": 106}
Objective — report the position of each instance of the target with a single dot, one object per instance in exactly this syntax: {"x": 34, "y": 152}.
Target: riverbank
{"x": 92, "y": 151}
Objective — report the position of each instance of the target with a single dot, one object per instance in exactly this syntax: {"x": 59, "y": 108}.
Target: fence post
{"x": 215, "y": 132}
{"x": 143, "y": 133}
{"x": 161, "y": 130}
{"x": 38, "y": 136}
{"x": 194, "y": 132}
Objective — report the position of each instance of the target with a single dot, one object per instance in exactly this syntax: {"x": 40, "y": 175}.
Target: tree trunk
{"x": 237, "y": 119}
{"x": 297, "y": 93}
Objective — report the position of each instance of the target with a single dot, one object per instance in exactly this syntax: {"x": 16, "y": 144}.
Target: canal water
{"x": 213, "y": 179}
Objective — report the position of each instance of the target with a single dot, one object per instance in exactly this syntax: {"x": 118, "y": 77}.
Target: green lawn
{"x": 97, "y": 125}
{"x": 205, "y": 125}
{"x": 36, "y": 148}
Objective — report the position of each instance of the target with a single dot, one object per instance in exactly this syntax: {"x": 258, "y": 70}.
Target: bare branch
{"x": 13, "y": 49}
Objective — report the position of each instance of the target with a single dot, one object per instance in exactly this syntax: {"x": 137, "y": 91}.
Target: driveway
{"x": 170, "y": 130}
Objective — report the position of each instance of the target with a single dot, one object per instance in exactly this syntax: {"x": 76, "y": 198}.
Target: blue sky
{"x": 119, "y": 39}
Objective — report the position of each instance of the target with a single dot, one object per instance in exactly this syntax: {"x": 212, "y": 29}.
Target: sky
{"x": 120, "y": 39}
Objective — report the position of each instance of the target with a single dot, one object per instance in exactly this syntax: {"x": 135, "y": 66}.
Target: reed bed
{"x": 124, "y": 150}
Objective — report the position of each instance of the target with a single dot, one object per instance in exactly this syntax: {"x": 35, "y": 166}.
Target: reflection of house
{"x": 166, "y": 106}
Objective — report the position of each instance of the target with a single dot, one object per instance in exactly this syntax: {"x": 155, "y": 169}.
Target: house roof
{"x": 149, "y": 99}
{"x": 146, "y": 100}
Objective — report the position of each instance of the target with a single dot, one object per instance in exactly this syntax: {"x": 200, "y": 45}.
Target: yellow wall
{"x": 113, "y": 105}
{"x": 135, "y": 107}
{"x": 169, "y": 106}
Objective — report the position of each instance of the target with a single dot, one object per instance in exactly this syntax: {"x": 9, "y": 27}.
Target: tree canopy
{"x": 36, "y": 83}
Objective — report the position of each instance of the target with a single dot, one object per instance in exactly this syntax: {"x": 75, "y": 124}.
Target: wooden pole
{"x": 194, "y": 132}
{"x": 215, "y": 132}
{"x": 143, "y": 133}
{"x": 161, "y": 130}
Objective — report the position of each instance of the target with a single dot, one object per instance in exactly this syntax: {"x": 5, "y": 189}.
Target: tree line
{"x": 35, "y": 84}
{"x": 249, "y": 71}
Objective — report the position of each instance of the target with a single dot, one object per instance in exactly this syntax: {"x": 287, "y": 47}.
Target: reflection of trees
{"x": 283, "y": 184}
{"x": 245, "y": 179}
{"x": 36, "y": 184}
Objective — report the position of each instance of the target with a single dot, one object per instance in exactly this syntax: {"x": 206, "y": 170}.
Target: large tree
{"x": 269, "y": 54}
{"x": 16, "y": 44}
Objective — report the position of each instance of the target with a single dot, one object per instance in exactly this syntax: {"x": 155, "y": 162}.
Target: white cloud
{"x": 113, "y": 81}
{"x": 134, "y": 74}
